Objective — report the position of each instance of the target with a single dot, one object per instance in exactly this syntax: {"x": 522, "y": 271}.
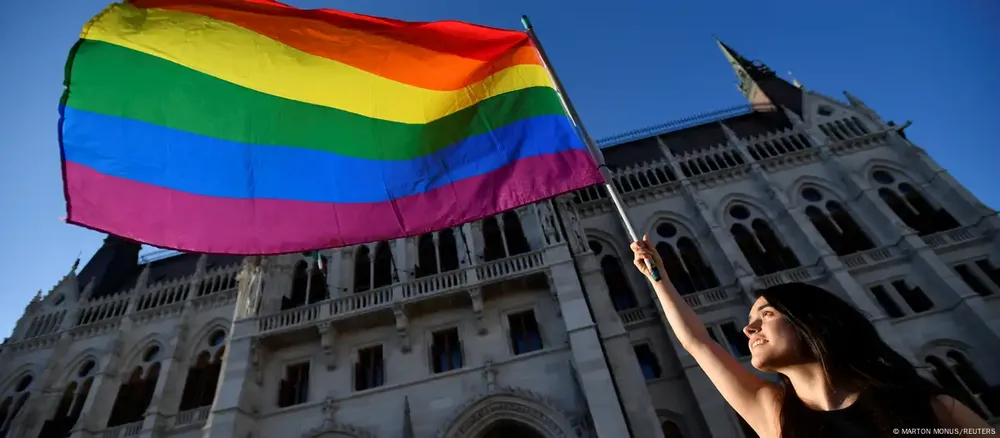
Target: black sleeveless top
{"x": 859, "y": 419}
{"x": 851, "y": 421}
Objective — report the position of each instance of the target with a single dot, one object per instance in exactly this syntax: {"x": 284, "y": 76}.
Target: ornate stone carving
{"x": 476, "y": 294}
{"x": 402, "y": 327}
{"x": 256, "y": 360}
{"x": 330, "y": 426}
{"x": 490, "y": 377}
{"x": 328, "y": 351}
{"x": 475, "y": 415}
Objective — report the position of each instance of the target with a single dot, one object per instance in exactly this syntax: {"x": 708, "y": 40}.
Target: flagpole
{"x": 591, "y": 146}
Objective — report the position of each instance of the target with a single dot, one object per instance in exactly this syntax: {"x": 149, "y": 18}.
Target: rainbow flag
{"x": 252, "y": 127}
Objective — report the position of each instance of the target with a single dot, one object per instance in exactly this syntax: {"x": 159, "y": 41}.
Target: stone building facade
{"x": 531, "y": 323}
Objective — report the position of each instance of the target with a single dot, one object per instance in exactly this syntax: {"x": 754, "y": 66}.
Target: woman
{"x": 838, "y": 378}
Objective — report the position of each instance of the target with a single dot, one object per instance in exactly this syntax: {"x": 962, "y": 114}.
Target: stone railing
{"x": 192, "y": 416}
{"x": 636, "y": 315}
{"x": 105, "y": 313}
{"x": 870, "y": 257}
{"x": 386, "y": 296}
{"x": 951, "y": 237}
{"x": 712, "y": 296}
{"x": 795, "y": 275}
{"x": 125, "y": 430}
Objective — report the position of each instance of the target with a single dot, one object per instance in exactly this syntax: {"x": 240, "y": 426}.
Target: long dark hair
{"x": 854, "y": 356}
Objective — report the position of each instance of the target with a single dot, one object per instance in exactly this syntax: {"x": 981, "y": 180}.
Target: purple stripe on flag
{"x": 208, "y": 224}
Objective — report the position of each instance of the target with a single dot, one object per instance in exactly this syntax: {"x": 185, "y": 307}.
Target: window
{"x": 914, "y": 296}
{"x": 294, "y": 388}
{"x": 735, "y": 340}
{"x": 911, "y": 206}
{"x": 683, "y": 261}
{"x": 647, "y": 361}
{"x": 834, "y": 223}
{"x": 619, "y": 288}
{"x": 981, "y": 276}
{"x": 892, "y": 294}
{"x": 369, "y": 371}
{"x": 524, "y": 334}
{"x": 711, "y": 334}
{"x": 738, "y": 342}
{"x": 446, "y": 351}
{"x": 886, "y": 302}
{"x": 761, "y": 246}
{"x": 671, "y": 429}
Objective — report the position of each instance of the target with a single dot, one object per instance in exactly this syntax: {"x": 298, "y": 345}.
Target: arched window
{"x": 959, "y": 377}
{"x": 911, "y": 206}
{"x": 203, "y": 375}
{"x": 136, "y": 392}
{"x": 362, "y": 269}
{"x": 671, "y": 429}
{"x": 300, "y": 281}
{"x": 685, "y": 266}
{"x": 834, "y": 223}
{"x": 373, "y": 271}
{"x": 762, "y": 248}
{"x": 382, "y": 266}
{"x": 503, "y": 237}
{"x": 619, "y": 289}
{"x": 318, "y": 289}
{"x": 71, "y": 404}
{"x": 12, "y": 403}
{"x": 517, "y": 242}
{"x": 438, "y": 256}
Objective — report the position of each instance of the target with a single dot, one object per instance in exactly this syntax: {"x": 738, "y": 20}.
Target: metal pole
{"x": 591, "y": 146}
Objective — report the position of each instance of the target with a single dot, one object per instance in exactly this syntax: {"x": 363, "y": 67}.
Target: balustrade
{"x": 385, "y": 297}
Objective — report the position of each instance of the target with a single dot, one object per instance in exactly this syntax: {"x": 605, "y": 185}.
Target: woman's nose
{"x": 750, "y": 329}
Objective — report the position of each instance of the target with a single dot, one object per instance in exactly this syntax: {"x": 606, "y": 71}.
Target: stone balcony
{"x": 461, "y": 287}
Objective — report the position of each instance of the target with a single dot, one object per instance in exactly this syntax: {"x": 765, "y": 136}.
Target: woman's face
{"x": 773, "y": 341}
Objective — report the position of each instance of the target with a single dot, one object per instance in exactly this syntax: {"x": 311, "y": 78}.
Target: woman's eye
{"x": 767, "y": 313}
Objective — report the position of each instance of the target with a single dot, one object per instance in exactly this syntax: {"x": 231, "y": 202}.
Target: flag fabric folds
{"x": 252, "y": 127}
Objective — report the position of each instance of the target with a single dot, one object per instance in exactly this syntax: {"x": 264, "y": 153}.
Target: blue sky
{"x": 626, "y": 64}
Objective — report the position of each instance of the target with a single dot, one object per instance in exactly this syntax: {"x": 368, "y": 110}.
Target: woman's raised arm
{"x": 753, "y": 398}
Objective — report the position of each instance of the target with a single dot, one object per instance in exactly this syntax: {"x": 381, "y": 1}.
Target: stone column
{"x": 595, "y": 377}
{"x": 234, "y": 410}
{"x": 594, "y": 371}
{"x": 169, "y": 384}
{"x": 532, "y": 225}
{"x": 736, "y": 266}
{"x": 103, "y": 392}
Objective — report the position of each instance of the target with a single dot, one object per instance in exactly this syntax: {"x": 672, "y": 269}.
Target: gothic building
{"x": 531, "y": 323}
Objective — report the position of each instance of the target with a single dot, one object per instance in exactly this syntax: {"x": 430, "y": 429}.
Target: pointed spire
{"x": 764, "y": 89}
{"x": 407, "y": 421}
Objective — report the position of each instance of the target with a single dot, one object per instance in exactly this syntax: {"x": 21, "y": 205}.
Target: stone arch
{"x": 721, "y": 211}
{"x": 821, "y": 184}
{"x": 8, "y": 383}
{"x": 90, "y": 353}
{"x": 204, "y": 332}
{"x": 515, "y": 404}
{"x": 664, "y": 415}
{"x": 758, "y": 236}
{"x": 893, "y": 167}
{"x": 913, "y": 203}
{"x": 685, "y": 256}
{"x": 621, "y": 249}
{"x": 938, "y": 345}
{"x": 337, "y": 430}
{"x": 134, "y": 357}
{"x": 649, "y": 228}
{"x": 957, "y": 369}
{"x": 622, "y": 285}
